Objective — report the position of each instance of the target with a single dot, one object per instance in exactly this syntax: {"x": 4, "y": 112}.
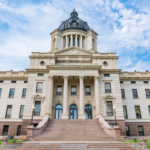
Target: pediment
{"x": 73, "y": 51}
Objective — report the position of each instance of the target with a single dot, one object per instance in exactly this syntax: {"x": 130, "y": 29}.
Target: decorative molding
{"x": 65, "y": 76}
{"x": 74, "y": 52}
{"x": 38, "y": 96}
{"x": 109, "y": 97}
{"x": 50, "y": 76}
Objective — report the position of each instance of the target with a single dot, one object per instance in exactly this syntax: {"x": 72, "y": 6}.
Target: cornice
{"x": 37, "y": 70}
{"x": 56, "y": 30}
{"x": 118, "y": 71}
{"x": 134, "y": 78}
{"x": 91, "y": 30}
{"x": 105, "y": 57}
{"x": 13, "y": 78}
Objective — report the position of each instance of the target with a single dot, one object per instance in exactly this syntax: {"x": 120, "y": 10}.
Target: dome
{"x": 74, "y": 23}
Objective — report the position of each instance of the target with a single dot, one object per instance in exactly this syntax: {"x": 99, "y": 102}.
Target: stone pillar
{"x": 65, "y": 99}
{"x": 97, "y": 97}
{"x": 50, "y": 100}
{"x": 71, "y": 40}
{"x": 80, "y": 41}
{"x": 66, "y": 41}
{"x": 76, "y": 41}
{"x": 81, "y": 113}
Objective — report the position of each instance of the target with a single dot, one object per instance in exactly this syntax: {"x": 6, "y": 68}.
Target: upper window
{"x": 1, "y": 81}
{"x": 109, "y": 108}
{"x": 73, "y": 90}
{"x": 87, "y": 90}
{"x": 37, "y": 108}
{"x": 133, "y": 82}
{"x": 73, "y": 41}
{"x": 106, "y": 75}
{"x": 25, "y": 81}
{"x": 145, "y": 82}
{"x": 125, "y": 112}
{"x": 0, "y": 92}
{"x": 42, "y": 63}
{"x": 134, "y": 91}
{"x": 105, "y": 63}
{"x": 74, "y": 24}
{"x": 11, "y": 93}
{"x": 141, "y": 131}
{"x": 78, "y": 42}
{"x": 39, "y": 87}
{"x": 24, "y": 93}
{"x": 107, "y": 88}
{"x": 69, "y": 43}
{"x": 138, "y": 112}
{"x": 13, "y": 81}
{"x": 122, "y": 93}
{"x": 147, "y": 91}
{"x": 59, "y": 90}
{"x": 21, "y": 111}
{"x": 40, "y": 74}
{"x": 121, "y": 82}
{"x": 8, "y": 111}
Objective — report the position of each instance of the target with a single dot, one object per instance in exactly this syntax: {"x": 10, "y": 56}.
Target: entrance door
{"x": 73, "y": 112}
{"x": 88, "y": 111}
{"x": 58, "y": 112}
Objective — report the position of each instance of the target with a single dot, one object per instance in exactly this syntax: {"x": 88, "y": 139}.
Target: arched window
{"x": 73, "y": 112}
{"x": 58, "y": 111}
{"x": 69, "y": 43}
{"x": 78, "y": 40}
{"x": 73, "y": 41}
{"x": 88, "y": 111}
{"x": 74, "y": 24}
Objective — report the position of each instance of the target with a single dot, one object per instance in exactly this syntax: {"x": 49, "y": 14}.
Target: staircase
{"x": 73, "y": 130}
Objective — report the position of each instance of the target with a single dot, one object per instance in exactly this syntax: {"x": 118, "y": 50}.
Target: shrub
{"x": 135, "y": 140}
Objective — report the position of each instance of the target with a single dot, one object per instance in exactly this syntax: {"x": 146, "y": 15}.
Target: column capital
{"x": 96, "y": 77}
{"x": 50, "y": 76}
{"x": 65, "y": 76}
{"x": 81, "y": 76}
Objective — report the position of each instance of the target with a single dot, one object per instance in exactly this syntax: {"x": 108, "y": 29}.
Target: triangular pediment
{"x": 73, "y": 51}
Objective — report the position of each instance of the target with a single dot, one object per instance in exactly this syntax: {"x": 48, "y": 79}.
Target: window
{"x": 134, "y": 91}
{"x": 73, "y": 41}
{"x": 12, "y": 92}
{"x": 127, "y": 131}
{"x": 106, "y": 75}
{"x": 69, "y": 43}
{"x": 13, "y": 81}
{"x": 145, "y": 82}
{"x": 42, "y": 63}
{"x": 25, "y": 81}
{"x": 107, "y": 88}
{"x": 122, "y": 93}
{"x": 0, "y": 92}
{"x": 24, "y": 93}
{"x": 74, "y": 24}
{"x": 1, "y": 81}
{"x": 5, "y": 130}
{"x": 141, "y": 131}
{"x": 133, "y": 82}
{"x": 37, "y": 108}
{"x": 147, "y": 91}
{"x": 105, "y": 63}
{"x": 19, "y": 130}
{"x": 78, "y": 41}
{"x": 73, "y": 90}
{"x": 40, "y": 74}
{"x": 149, "y": 109}
{"x": 121, "y": 82}
{"x": 137, "y": 112}
{"x": 125, "y": 112}
{"x": 8, "y": 111}
{"x": 59, "y": 90}
{"x": 87, "y": 90}
{"x": 39, "y": 87}
{"x": 109, "y": 108}
{"x": 21, "y": 111}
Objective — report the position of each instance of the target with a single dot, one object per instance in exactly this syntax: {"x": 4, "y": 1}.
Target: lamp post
{"x": 115, "y": 116}
{"x": 33, "y": 108}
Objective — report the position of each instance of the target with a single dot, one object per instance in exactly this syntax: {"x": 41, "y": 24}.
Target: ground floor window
{"x": 141, "y": 131}
{"x": 58, "y": 112}
{"x": 37, "y": 108}
{"x": 5, "y": 130}
{"x": 109, "y": 107}
{"x": 73, "y": 112}
{"x": 19, "y": 130}
{"x": 127, "y": 131}
{"x": 88, "y": 111}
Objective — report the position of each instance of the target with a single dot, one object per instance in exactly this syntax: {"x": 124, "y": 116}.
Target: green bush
{"x": 135, "y": 140}
{"x": 148, "y": 143}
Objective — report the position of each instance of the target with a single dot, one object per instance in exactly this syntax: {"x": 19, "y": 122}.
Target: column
{"x": 81, "y": 113}
{"x": 76, "y": 41}
{"x": 97, "y": 97}
{"x": 71, "y": 40}
{"x": 66, "y": 41}
{"x": 50, "y": 100}
{"x": 65, "y": 99}
{"x": 80, "y": 41}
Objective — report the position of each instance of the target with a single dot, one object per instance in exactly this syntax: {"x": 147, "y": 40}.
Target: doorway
{"x": 88, "y": 111}
{"x": 73, "y": 112}
{"x": 58, "y": 112}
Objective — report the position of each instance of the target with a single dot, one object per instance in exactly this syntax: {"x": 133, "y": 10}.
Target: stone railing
{"x": 31, "y": 131}
{"x": 111, "y": 131}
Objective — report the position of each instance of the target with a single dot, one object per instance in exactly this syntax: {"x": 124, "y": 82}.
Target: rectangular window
{"x": 125, "y": 112}
{"x": 25, "y": 81}
{"x": 73, "y": 90}
{"x": 21, "y": 111}
{"x": 149, "y": 109}
{"x": 24, "y": 93}
{"x": 8, "y": 111}
{"x": 141, "y": 131}
{"x": 11, "y": 93}
{"x": 106, "y": 75}
{"x": 87, "y": 90}
{"x": 145, "y": 82}
{"x": 73, "y": 41}
{"x": 134, "y": 91}
{"x": 39, "y": 87}
{"x": 59, "y": 90}
{"x": 1, "y": 81}
{"x": 147, "y": 91}
{"x": 19, "y": 130}
{"x": 40, "y": 74}
{"x": 0, "y": 92}
{"x": 137, "y": 112}
{"x": 133, "y": 82}
{"x": 5, "y": 130}
{"x": 13, "y": 81}
{"x": 122, "y": 93}
{"x": 127, "y": 131}
{"x": 109, "y": 108}
{"x": 107, "y": 88}
{"x": 37, "y": 108}
{"x": 121, "y": 82}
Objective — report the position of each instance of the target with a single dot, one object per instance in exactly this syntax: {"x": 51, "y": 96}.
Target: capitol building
{"x": 74, "y": 81}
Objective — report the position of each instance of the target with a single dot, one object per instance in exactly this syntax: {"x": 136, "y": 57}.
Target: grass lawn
{"x": 14, "y": 141}
{"x": 148, "y": 143}
{"x": 138, "y": 141}
{"x": 0, "y": 142}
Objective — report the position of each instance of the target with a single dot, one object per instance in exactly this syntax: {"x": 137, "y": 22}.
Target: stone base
{"x": 65, "y": 116}
{"x": 81, "y": 116}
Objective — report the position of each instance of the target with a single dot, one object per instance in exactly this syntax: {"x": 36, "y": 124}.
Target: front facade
{"x": 74, "y": 81}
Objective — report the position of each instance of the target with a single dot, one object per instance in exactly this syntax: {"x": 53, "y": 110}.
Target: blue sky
{"x": 123, "y": 27}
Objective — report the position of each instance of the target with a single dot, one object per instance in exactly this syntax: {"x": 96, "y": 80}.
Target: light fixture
{"x": 114, "y": 108}
{"x": 33, "y": 107}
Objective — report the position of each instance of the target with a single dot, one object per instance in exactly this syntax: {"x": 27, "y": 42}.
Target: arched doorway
{"x": 88, "y": 111}
{"x": 58, "y": 112}
{"x": 73, "y": 112}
